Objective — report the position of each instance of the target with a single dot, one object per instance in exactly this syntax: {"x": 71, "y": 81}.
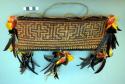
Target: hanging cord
{"x": 66, "y": 3}
{"x": 32, "y": 14}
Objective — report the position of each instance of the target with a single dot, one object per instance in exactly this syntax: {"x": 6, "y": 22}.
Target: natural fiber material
{"x": 59, "y": 33}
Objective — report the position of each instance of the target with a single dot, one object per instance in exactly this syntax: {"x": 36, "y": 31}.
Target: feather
{"x": 101, "y": 66}
{"x": 119, "y": 29}
{"x": 56, "y": 76}
{"x": 48, "y": 58}
{"x": 112, "y": 41}
{"x": 15, "y": 32}
{"x": 103, "y": 42}
{"x": 108, "y": 47}
{"x": 46, "y": 67}
{"x": 86, "y": 61}
{"x": 30, "y": 68}
{"x": 19, "y": 59}
{"x": 50, "y": 68}
{"x": 66, "y": 61}
{"x": 115, "y": 39}
{"x": 94, "y": 62}
{"x": 25, "y": 60}
{"x": 35, "y": 63}
{"x": 13, "y": 44}
{"x": 32, "y": 64}
{"x": 82, "y": 58}
{"x": 55, "y": 72}
{"x": 8, "y": 44}
{"x": 56, "y": 60}
{"x": 111, "y": 30}
{"x": 23, "y": 68}
{"x": 23, "y": 64}
{"x": 29, "y": 59}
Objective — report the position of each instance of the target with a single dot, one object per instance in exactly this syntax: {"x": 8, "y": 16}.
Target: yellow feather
{"x": 9, "y": 26}
{"x": 70, "y": 57}
{"x": 57, "y": 62}
{"x": 110, "y": 52}
{"x": 114, "y": 26}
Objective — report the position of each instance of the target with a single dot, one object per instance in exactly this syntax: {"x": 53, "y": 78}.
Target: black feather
{"x": 32, "y": 64}
{"x": 86, "y": 61}
{"x": 48, "y": 58}
{"x": 56, "y": 76}
{"x": 35, "y": 63}
{"x": 101, "y": 66}
{"x": 49, "y": 68}
{"x": 115, "y": 39}
{"x": 15, "y": 32}
{"x": 8, "y": 44}
{"x": 13, "y": 44}
{"x": 82, "y": 58}
{"x": 46, "y": 67}
{"x": 19, "y": 59}
{"x": 25, "y": 61}
{"x": 103, "y": 42}
{"x": 119, "y": 29}
{"x": 52, "y": 68}
{"x": 30, "y": 68}
{"x": 55, "y": 72}
{"x": 94, "y": 62}
{"x": 23, "y": 68}
{"x": 23, "y": 65}
{"x": 111, "y": 30}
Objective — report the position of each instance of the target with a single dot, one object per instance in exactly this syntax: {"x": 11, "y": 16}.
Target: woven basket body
{"x": 60, "y": 33}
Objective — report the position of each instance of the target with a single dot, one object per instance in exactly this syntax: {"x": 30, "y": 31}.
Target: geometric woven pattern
{"x": 60, "y": 33}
